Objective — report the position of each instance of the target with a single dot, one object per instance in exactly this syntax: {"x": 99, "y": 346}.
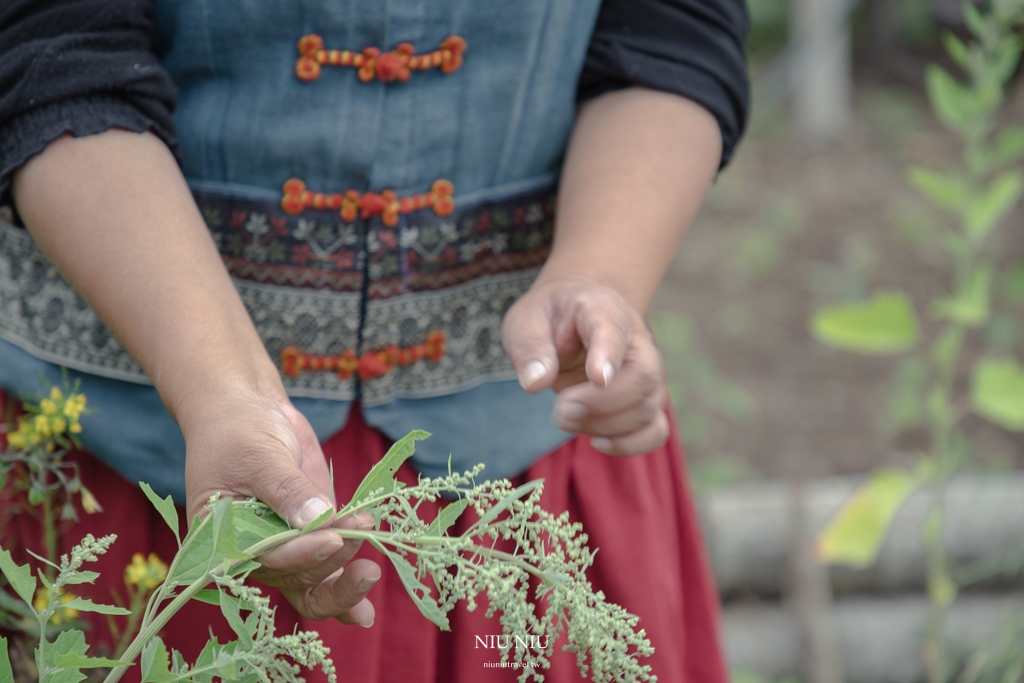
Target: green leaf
{"x": 885, "y": 324}
{"x": 971, "y": 309}
{"x": 855, "y": 534}
{"x": 997, "y": 392}
{"x": 949, "y": 192}
{"x": 1013, "y": 284}
{"x": 256, "y": 524}
{"x": 20, "y": 577}
{"x": 446, "y": 517}
{"x": 956, "y": 49}
{"x": 318, "y": 522}
{"x": 382, "y": 476}
{"x": 6, "y": 673}
{"x": 502, "y": 505}
{"x": 951, "y": 101}
{"x": 67, "y": 643}
{"x": 986, "y": 210}
{"x": 419, "y": 593}
{"x": 81, "y": 577}
{"x": 1010, "y": 146}
{"x": 210, "y": 596}
{"x": 86, "y": 605}
{"x": 155, "y": 663}
{"x": 230, "y": 608}
{"x": 73, "y": 660}
{"x": 904, "y": 397}
{"x": 165, "y": 506}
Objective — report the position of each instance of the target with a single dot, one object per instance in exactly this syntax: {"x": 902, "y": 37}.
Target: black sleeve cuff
{"x": 692, "y": 48}
{"x": 24, "y": 136}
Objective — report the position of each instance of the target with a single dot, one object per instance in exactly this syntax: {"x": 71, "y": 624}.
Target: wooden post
{"x": 821, "y": 70}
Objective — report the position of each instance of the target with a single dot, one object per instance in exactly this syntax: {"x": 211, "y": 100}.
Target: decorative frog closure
{"x": 396, "y": 65}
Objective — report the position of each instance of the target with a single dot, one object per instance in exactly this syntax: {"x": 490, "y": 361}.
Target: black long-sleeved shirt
{"x": 84, "y": 66}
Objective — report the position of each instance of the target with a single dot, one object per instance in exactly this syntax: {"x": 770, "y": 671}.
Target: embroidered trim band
{"x": 392, "y": 66}
{"x": 369, "y": 365}
{"x": 387, "y": 204}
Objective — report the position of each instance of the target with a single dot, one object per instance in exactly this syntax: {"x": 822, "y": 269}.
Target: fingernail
{"x": 601, "y": 444}
{"x": 311, "y": 509}
{"x": 533, "y": 371}
{"x": 328, "y": 549}
{"x": 569, "y": 412}
{"x": 607, "y": 372}
{"x": 367, "y": 583}
{"x": 368, "y": 625}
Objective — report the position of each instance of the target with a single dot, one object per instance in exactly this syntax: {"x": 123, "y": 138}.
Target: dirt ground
{"x": 789, "y": 227}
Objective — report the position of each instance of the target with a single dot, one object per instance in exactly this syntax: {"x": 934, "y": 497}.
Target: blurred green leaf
{"x": 971, "y": 308}
{"x": 951, "y": 101}
{"x": 997, "y": 392}
{"x": 943, "y": 190}
{"x": 855, "y": 534}
{"x": 884, "y": 324}
{"x": 904, "y": 397}
{"x": 1013, "y": 284}
{"x": 956, "y": 49}
{"x": 986, "y": 210}
{"x": 6, "y": 673}
{"x": 1010, "y": 146}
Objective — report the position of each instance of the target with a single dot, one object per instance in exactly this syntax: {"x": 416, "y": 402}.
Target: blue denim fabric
{"x": 244, "y": 118}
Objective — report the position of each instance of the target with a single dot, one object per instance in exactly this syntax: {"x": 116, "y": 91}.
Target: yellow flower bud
{"x": 58, "y": 424}
{"x": 55, "y": 394}
{"x": 48, "y": 407}
{"x": 89, "y": 502}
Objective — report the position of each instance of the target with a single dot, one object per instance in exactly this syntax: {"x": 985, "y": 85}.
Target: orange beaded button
{"x": 371, "y": 63}
{"x": 350, "y": 203}
{"x": 368, "y": 366}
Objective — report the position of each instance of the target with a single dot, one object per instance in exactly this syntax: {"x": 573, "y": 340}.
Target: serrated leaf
{"x": 6, "y": 673}
{"x": 165, "y": 506}
{"x": 382, "y": 476}
{"x": 993, "y": 204}
{"x": 210, "y": 542}
{"x": 997, "y": 392}
{"x": 81, "y": 577}
{"x": 419, "y": 593}
{"x": 951, "y": 101}
{"x": 971, "y": 308}
{"x": 948, "y": 192}
{"x": 230, "y": 608}
{"x": 882, "y": 325}
{"x": 73, "y": 660}
{"x": 19, "y": 576}
{"x": 86, "y": 605}
{"x": 446, "y": 517}
{"x": 155, "y": 663}
{"x": 855, "y": 535}
{"x": 67, "y": 643}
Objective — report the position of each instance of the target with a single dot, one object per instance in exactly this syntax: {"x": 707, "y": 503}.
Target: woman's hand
{"x": 585, "y": 341}
{"x": 254, "y": 446}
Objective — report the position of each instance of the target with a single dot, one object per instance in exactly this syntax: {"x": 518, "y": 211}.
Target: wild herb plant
{"x": 979, "y": 192}
{"x": 437, "y": 569}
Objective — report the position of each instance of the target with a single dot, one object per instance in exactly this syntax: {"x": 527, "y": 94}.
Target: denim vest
{"x": 379, "y": 180}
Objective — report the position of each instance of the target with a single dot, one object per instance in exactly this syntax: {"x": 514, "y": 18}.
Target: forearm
{"x": 115, "y": 216}
{"x": 636, "y": 171}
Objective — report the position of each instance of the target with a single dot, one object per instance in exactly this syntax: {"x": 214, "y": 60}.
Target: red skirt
{"x": 638, "y": 511}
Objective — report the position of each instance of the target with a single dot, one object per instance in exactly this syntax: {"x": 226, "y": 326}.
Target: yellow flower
{"x": 48, "y": 407}
{"x": 60, "y": 615}
{"x": 75, "y": 428}
{"x": 89, "y": 502}
{"x": 41, "y": 425}
{"x": 55, "y": 394}
{"x": 58, "y": 424}
{"x": 74, "y": 406}
{"x": 147, "y": 573}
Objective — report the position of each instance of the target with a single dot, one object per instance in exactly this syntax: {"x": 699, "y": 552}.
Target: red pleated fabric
{"x": 638, "y": 511}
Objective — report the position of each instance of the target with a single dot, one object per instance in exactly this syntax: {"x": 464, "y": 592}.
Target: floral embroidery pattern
{"x": 351, "y": 204}
{"x": 371, "y": 63}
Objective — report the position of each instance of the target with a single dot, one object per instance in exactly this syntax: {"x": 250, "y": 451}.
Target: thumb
{"x": 527, "y": 336}
{"x": 292, "y": 495}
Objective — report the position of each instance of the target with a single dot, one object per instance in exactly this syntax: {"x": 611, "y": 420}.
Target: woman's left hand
{"x": 584, "y": 340}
